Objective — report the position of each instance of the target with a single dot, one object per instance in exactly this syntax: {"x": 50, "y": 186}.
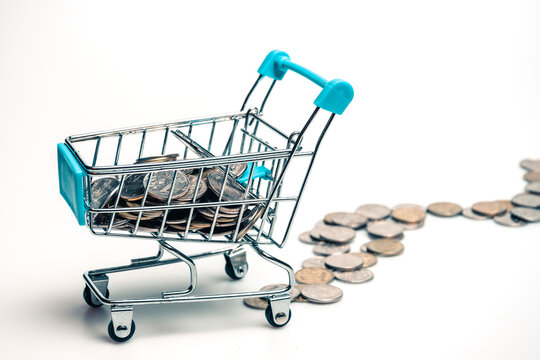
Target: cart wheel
{"x": 281, "y": 318}
{"x": 116, "y": 338}
{"x": 90, "y": 300}
{"x": 237, "y": 273}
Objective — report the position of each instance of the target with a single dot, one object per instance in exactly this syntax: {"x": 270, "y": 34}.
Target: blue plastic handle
{"x": 336, "y": 94}
{"x": 70, "y": 177}
{"x": 258, "y": 172}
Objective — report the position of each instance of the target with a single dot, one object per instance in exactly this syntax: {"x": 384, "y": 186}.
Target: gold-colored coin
{"x": 385, "y": 247}
{"x": 314, "y": 275}
{"x": 490, "y": 208}
{"x": 410, "y": 215}
{"x": 369, "y": 259}
{"x": 445, "y": 209}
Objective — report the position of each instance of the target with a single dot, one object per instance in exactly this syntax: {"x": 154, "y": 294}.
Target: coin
{"x": 314, "y": 275}
{"x": 322, "y": 293}
{"x": 489, "y": 208}
{"x": 316, "y": 261}
{"x": 134, "y": 187}
{"x": 364, "y": 248}
{"x": 351, "y": 220}
{"x": 319, "y": 224}
{"x": 101, "y": 191}
{"x": 344, "y": 262}
{"x": 355, "y": 277}
{"x": 533, "y": 176}
{"x": 527, "y": 200}
{"x": 316, "y": 232}
{"x": 533, "y": 187}
{"x": 385, "y": 247}
{"x": 162, "y": 181}
{"x": 510, "y": 220}
{"x": 369, "y": 259}
{"x": 188, "y": 196}
{"x": 530, "y": 164}
{"x": 237, "y": 169}
{"x": 232, "y": 190}
{"x": 295, "y": 293}
{"x": 409, "y": 214}
{"x": 329, "y": 218}
{"x": 307, "y": 239}
{"x": 337, "y": 234}
{"x": 469, "y": 213}
{"x": 444, "y": 209}
{"x": 527, "y": 214}
{"x": 300, "y": 298}
{"x": 385, "y": 229}
{"x": 407, "y": 226}
{"x": 330, "y": 249}
{"x": 159, "y": 158}
{"x": 374, "y": 211}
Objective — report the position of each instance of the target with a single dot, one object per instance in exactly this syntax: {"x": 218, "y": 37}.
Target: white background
{"x": 446, "y": 105}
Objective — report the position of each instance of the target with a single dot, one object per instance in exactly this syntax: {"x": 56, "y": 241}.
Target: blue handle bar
{"x": 336, "y": 94}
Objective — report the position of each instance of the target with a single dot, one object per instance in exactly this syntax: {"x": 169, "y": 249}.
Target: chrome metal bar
{"x": 165, "y": 137}
{"x": 192, "y": 272}
{"x": 225, "y": 178}
{"x": 239, "y": 222}
{"x": 267, "y": 95}
{"x": 197, "y": 184}
{"x": 250, "y": 92}
{"x": 169, "y": 198}
{"x": 96, "y": 151}
{"x": 261, "y": 141}
{"x": 228, "y": 146}
{"x": 118, "y": 147}
{"x": 189, "y": 136}
{"x": 113, "y": 215}
{"x": 143, "y": 140}
{"x": 143, "y": 203}
{"x": 211, "y": 135}
{"x": 270, "y": 126}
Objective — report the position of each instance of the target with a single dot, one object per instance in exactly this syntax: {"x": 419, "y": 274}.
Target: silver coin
{"x": 330, "y": 249}
{"x": 306, "y": 238}
{"x": 337, "y": 234}
{"x": 409, "y": 226}
{"x": 316, "y": 261}
{"x": 319, "y": 224}
{"x": 527, "y": 200}
{"x": 344, "y": 262}
{"x": 161, "y": 184}
{"x": 374, "y": 211}
{"x": 530, "y": 164}
{"x": 469, "y": 213}
{"x": 510, "y": 220}
{"x": 134, "y": 187}
{"x": 533, "y": 187}
{"x": 322, "y": 293}
{"x": 317, "y": 230}
{"x": 101, "y": 191}
{"x": 355, "y": 277}
{"x": 385, "y": 229}
{"x": 232, "y": 189}
{"x": 351, "y": 220}
{"x": 527, "y": 214}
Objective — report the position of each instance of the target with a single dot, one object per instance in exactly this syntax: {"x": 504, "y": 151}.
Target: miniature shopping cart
{"x": 248, "y": 154}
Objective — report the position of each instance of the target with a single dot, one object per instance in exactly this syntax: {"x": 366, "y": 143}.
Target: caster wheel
{"x": 240, "y": 270}
{"x": 115, "y": 337}
{"x": 281, "y": 320}
{"x": 87, "y": 295}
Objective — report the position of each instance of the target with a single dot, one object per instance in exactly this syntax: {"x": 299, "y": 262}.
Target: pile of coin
{"x": 333, "y": 237}
{"x": 142, "y": 190}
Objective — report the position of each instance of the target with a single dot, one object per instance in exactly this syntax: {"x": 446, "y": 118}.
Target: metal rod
{"x": 165, "y": 141}
{"x": 118, "y": 147}
{"x": 96, "y": 151}
{"x": 250, "y": 92}
{"x": 141, "y": 148}
{"x": 267, "y": 95}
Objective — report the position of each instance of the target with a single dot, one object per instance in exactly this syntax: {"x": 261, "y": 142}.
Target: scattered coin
{"x": 344, "y": 262}
{"x": 533, "y": 187}
{"x": 530, "y": 164}
{"x": 337, "y": 234}
{"x": 510, "y": 220}
{"x": 330, "y": 249}
{"x": 351, "y": 220}
{"x": 259, "y": 303}
{"x": 300, "y": 298}
{"x": 374, "y": 211}
{"x": 307, "y": 239}
{"x": 489, "y": 208}
{"x": 533, "y": 176}
{"x": 385, "y": 247}
{"x": 314, "y": 275}
{"x": 527, "y": 200}
{"x": 295, "y": 293}
{"x": 369, "y": 259}
{"x": 444, "y": 209}
{"x": 469, "y": 213}
{"x": 317, "y": 230}
{"x": 527, "y": 214}
{"x": 162, "y": 181}
{"x": 355, "y": 277}
{"x": 322, "y": 293}
{"x": 407, "y": 226}
{"x": 316, "y": 261}
{"x": 329, "y": 218}
{"x": 385, "y": 229}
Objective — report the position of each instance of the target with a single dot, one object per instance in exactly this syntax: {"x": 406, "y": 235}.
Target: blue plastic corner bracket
{"x": 336, "y": 94}
{"x": 71, "y": 176}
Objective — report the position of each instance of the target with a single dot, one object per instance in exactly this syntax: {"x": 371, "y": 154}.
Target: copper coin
{"x": 489, "y": 208}
{"x": 444, "y": 209}
{"x": 469, "y": 213}
{"x": 532, "y": 176}
{"x": 369, "y": 259}
{"x": 385, "y": 247}
{"x": 374, "y": 211}
{"x": 385, "y": 229}
{"x": 409, "y": 215}
{"x": 314, "y": 275}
